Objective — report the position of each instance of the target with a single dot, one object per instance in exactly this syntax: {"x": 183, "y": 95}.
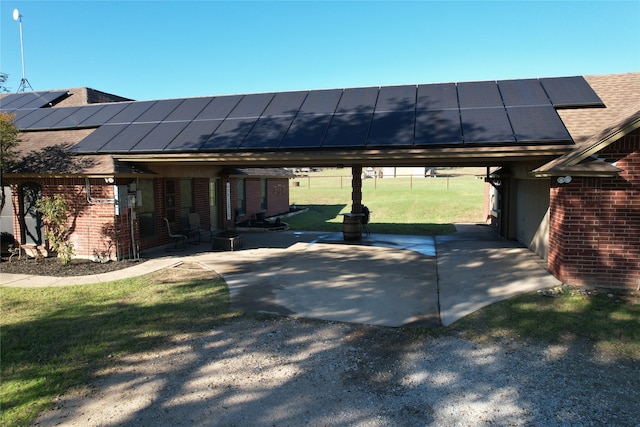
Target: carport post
{"x": 352, "y": 223}
{"x": 356, "y": 189}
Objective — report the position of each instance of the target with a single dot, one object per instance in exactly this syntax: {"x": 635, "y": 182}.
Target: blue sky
{"x": 172, "y": 49}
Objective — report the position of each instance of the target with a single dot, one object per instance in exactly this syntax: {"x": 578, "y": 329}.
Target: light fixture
{"x": 109, "y": 180}
{"x": 564, "y": 179}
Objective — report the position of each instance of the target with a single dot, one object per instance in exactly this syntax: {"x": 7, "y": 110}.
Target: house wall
{"x": 594, "y": 233}
{"x": 95, "y": 228}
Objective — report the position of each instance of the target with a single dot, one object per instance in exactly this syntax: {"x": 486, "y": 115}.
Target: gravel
{"x": 287, "y": 372}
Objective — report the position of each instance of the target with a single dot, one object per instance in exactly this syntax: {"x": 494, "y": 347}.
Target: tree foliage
{"x": 3, "y": 80}
{"x": 8, "y": 141}
{"x": 55, "y": 211}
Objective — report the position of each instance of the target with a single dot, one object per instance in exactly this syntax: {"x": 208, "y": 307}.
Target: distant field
{"x": 401, "y": 205}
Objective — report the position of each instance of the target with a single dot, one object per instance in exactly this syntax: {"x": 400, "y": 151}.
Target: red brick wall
{"x": 98, "y": 230}
{"x": 594, "y": 233}
{"x": 94, "y": 226}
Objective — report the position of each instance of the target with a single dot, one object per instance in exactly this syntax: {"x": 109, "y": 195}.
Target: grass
{"x": 54, "y": 339}
{"x": 404, "y": 205}
{"x": 607, "y": 320}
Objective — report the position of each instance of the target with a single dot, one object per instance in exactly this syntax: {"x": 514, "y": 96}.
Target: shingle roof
{"x": 595, "y": 129}
{"x": 47, "y": 153}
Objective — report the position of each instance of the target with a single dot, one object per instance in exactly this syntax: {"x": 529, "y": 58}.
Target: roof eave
{"x": 370, "y": 157}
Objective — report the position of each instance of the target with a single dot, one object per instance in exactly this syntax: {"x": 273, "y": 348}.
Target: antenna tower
{"x": 24, "y": 83}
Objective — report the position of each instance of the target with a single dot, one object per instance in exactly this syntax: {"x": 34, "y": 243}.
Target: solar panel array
{"x": 446, "y": 114}
{"x": 28, "y": 100}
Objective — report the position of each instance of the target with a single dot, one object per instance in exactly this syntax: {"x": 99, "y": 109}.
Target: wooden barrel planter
{"x": 352, "y": 227}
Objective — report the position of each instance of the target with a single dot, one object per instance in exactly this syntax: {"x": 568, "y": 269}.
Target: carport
{"x": 507, "y": 124}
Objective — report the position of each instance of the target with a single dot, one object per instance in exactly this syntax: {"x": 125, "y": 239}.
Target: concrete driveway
{"x": 387, "y": 280}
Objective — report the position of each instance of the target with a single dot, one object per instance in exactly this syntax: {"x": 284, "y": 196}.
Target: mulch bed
{"x": 53, "y": 267}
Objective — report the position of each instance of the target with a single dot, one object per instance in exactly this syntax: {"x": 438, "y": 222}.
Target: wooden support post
{"x": 356, "y": 189}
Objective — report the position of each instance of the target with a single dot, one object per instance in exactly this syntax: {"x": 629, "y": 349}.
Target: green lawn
{"x": 54, "y": 339}
{"x": 401, "y": 205}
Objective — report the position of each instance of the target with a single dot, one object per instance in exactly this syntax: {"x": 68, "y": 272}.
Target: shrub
{"x": 54, "y": 212}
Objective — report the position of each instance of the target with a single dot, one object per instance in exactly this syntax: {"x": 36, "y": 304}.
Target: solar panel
{"x": 268, "y": 132}
{"x": 306, "y": 131}
{"x": 479, "y": 94}
{"x": 538, "y": 124}
{"x": 486, "y": 125}
{"x": 52, "y": 119}
{"x": 567, "y": 92}
{"x": 20, "y": 115}
{"x": 321, "y": 101}
{"x": 439, "y": 96}
{"x": 78, "y": 115}
{"x": 396, "y": 98}
{"x": 219, "y": 108}
{"x": 392, "y": 128}
{"x": 13, "y": 98}
{"x": 285, "y": 103}
{"x": 124, "y": 141}
{"x": 44, "y": 98}
{"x": 189, "y": 109}
{"x": 523, "y": 92}
{"x": 251, "y": 105}
{"x": 94, "y": 142}
{"x": 230, "y": 134}
{"x": 131, "y": 112}
{"x": 358, "y": 100}
{"x": 438, "y": 127}
{"x": 24, "y": 123}
{"x": 193, "y": 136}
{"x": 28, "y": 100}
{"x": 348, "y": 130}
{"x": 159, "y": 111}
{"x": 160, "y": 136}
{"x": 103, "y": 114}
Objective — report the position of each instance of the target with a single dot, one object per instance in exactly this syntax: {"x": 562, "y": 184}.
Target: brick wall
{"x": 94, "y": 227}
{"x": 594, "y": 236}
{"x": 97, "y": 230}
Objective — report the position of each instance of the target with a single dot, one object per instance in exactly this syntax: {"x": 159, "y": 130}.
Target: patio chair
{"x": 366, "y": 214}
{"x": 178, "y": 238}
{"x": 195, "y": 227}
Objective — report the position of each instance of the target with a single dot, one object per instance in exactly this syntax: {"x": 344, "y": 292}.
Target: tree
{"x": 55, "y": 212}
{"x": 8, "y": 141}
{"x": 3, "y": 79}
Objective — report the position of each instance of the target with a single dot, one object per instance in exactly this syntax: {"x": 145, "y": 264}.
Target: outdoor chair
{"x": 366, "y": 213}
{"x": 178, "y": 238}
{"x": 195, "y": 227}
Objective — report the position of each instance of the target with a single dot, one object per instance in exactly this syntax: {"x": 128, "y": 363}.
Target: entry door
{"x": 31, "y": 218}
{"x": 213, "y": 203}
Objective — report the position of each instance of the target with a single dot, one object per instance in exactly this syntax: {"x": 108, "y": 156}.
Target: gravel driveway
{"x": 288, "y": 372}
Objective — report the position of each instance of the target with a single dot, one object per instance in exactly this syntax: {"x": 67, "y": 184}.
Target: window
{"x": 170, "y": 199}
{"x": 186, "y": 200}
{"x": 263, "y": 194}
{"x": 147, "y": 209}
{"x": 242, "y": 200}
